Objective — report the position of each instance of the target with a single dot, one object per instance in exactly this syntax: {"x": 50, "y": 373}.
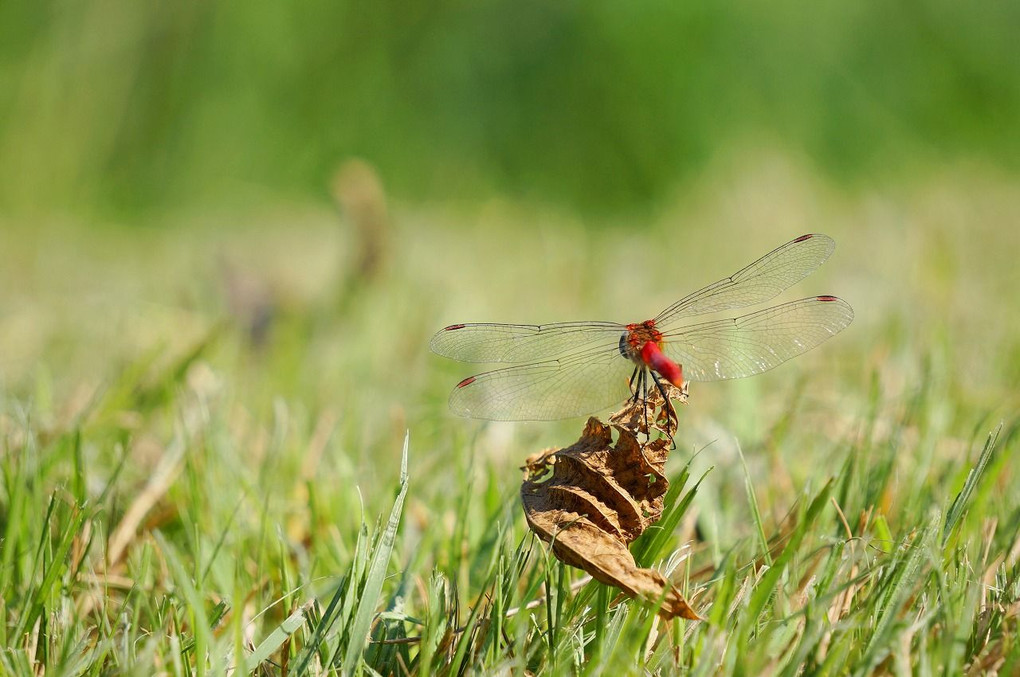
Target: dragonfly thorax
{"x": 636, "y": 337}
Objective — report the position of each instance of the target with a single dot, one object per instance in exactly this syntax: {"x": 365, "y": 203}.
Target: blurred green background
{"x": 333, "y": 181}
{"x": 604, "y": 107}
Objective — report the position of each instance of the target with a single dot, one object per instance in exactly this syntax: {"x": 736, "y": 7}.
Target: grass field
{"x": 205, "y": 424}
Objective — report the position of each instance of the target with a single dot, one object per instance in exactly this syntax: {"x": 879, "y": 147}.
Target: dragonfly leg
{"x": 637, "y": 383}
{"x": 645, "y": 387}
{"x": 667, "y": 404}
{"x": 632, "y": 383}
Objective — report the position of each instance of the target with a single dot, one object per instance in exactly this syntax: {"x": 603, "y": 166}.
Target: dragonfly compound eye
{"x": 624, "y": 346}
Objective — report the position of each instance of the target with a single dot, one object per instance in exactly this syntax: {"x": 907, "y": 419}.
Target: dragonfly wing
{"x": 764, "y": 279}
{"x": 513, "y": 343}
{"x": 579, "y": 384}
{"x": 748, "y": 345}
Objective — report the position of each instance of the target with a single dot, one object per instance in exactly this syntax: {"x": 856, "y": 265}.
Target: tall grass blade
{"x": 906, "y": 571}
{"x": 752, "y": 501}
{"x": 369, "y": 600}
{"x": 956, "y": 510}
{"x": 653, "y": 544}
{"x": 766, "y": 586}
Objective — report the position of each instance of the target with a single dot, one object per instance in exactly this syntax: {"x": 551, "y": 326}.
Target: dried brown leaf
{"x": 591, "y": 500}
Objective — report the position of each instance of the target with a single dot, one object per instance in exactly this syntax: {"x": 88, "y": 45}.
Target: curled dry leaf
{"x": 593, "y": 498}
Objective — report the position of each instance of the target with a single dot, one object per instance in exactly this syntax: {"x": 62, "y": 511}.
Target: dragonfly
{"x": 570, "y": 369}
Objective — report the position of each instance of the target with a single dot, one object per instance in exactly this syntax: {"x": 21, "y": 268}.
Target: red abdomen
{"x": 652, "y": 355}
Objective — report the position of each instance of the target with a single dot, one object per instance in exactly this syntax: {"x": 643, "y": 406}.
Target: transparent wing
{"x": 764, "y": 279}
{"x": 748, "y": 345}
{"x": 486, "y": 342}
{"x": 579, "y": 384}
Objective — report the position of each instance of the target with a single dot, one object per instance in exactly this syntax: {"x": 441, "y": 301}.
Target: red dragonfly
{"x": 575, "y": 368}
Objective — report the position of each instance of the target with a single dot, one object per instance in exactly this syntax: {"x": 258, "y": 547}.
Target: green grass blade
{"x": 202, "y": 640}
{"x": 275, "y": 640}
{"x": 654, "y": 543}
{"x": 752, "y": 501}
{"x": 906, "y": 573}
{"x": 369, "y": 599}
{"x": 959, "y": 505}
{"x": 766, "y": 586}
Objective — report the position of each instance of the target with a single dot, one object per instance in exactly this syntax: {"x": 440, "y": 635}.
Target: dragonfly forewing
{"x": 761, "y": 281}
{"x": 514, "y": 343}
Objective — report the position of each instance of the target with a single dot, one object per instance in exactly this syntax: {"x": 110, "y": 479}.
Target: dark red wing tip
{"x": 466, "y": 382}
{"x": 827, "y": 298}
{"x": 805, "y": 237}
{"x": 454, "y": 326}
